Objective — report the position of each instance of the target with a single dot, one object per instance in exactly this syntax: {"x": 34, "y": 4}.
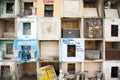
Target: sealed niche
{"x": 111, "y": 27}
{"x": 111, "y": 70}
{"x": 49, "y": 29}
{"x": 111, "y": 8}
{"x": 49, "y": 50}
{"x": 72, "y": 8}
{"x": 112, "y": 51}
{"x": 26, "y": 50}
{"x": 26, "y": 28}
{"x": 93, "y": 28}
{"x": 72, "y": 49}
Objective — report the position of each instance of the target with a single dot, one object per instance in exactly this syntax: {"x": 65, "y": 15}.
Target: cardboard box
{"x": 47, "y": 73}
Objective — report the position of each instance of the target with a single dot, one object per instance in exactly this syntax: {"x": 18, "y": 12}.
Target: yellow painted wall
{"x": 56, "y": 11}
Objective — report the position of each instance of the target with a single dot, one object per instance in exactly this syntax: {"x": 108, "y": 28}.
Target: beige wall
{"x": 92, "y": 68}
{"x": 57, "y": 8}
{"x": 49, "y": 49}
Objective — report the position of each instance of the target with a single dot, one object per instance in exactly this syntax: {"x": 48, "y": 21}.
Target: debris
{"x": 47, "y": 73}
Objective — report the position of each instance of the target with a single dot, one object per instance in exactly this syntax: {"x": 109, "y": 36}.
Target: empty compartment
{"x": 93, "y": 8}
{"x": 72, "y": 8}
{"x": 7, "y": 8}
{"x": 93, "y": 28}
{"x": 49, "y": 50}
{"x": 7, "y": 70}
{"x": 93, "y": 71}
{"x": 70, "y": 28}
{"x": 7, "y": 28}
{"x": 112, "y": 51}
{"x": 27, "y": 8}
{"x": 6, "y": 47}
{"x": 112, "y": 8}
{"x": 93, "y": 50}
{"x": 71, "y": 70}
{"x": 27, "y": 71}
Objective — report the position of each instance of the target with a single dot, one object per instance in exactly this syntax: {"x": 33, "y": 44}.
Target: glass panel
{"x": 9, "y": 48}
{"x": 114, "y": 30}
{"x": 48, "y": 11}
{"x": 26, "y": 28}
{"x": 114, "y": 72}
{"x": 71, "y": 68}
{"x": 71, "y": 50}
{"x": 25, "y": 52}
{"x": 27, "y": 8}
{"x": 9, "y": 7}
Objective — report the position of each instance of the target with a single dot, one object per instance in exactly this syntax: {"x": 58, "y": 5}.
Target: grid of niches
{"x": 70, "y": 35}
